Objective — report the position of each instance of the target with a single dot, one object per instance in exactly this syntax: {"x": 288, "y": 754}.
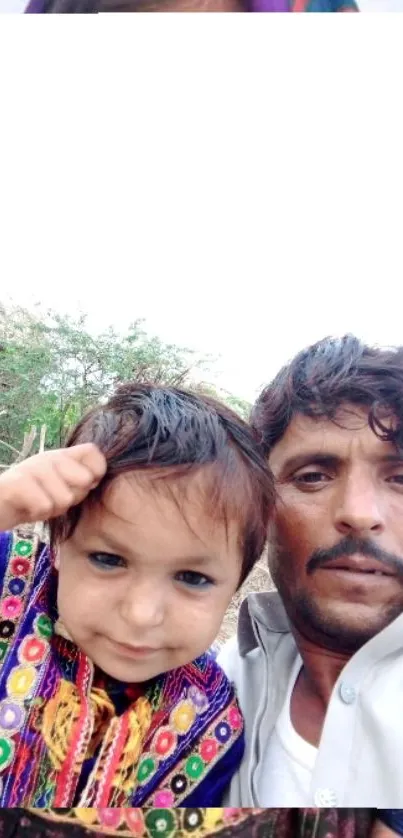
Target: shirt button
{"x": 347, "y": 693}
{"x": 325, "y": 797}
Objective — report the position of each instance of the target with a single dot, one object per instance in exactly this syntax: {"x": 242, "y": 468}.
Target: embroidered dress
{"x": 71, "y": 737}
{"x": 191, "y": 823}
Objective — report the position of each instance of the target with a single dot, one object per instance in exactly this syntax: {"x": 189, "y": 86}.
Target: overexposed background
{"x": 381, "y": 5}
{"x": 12, "y": 6}
{"x": 244, "y": 204}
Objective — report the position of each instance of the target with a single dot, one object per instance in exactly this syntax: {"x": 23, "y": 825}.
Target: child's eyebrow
{"x": 119, "y": 549}
{"x": 109, "y": 541}
{"x": 199, "y": 560}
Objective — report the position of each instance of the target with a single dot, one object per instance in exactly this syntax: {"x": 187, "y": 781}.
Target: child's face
{"x": 143, "y": 582}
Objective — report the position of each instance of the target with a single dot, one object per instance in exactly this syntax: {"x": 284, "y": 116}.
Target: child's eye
{"x": 106, "y": 561}
{"x": 193, "y": 579}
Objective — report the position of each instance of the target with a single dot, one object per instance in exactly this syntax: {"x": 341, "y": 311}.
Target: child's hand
{"x": 47, "y": 484}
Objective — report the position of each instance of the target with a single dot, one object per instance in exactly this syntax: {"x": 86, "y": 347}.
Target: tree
{"x": 52, "y": 369}
{"x": 239, "y": 405}
{"x": 24, "y": 359}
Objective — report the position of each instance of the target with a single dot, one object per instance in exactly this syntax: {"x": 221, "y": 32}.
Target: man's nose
{"x": 359, "y": 507}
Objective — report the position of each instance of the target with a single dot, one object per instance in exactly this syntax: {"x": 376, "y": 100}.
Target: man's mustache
{"x": 350, "y": 546}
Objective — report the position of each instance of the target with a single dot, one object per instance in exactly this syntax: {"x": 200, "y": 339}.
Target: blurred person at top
{"x": 99, "y": 6}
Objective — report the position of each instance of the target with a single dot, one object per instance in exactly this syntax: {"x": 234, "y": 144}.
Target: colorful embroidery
{"x": 17, "y": 579}
{"x": 253, "y": 823}
{"x": 152, "y": 823}
{"x": 62, "y": 739}
{"x": 188, "y": 772}
{"x": 31, "y": 653}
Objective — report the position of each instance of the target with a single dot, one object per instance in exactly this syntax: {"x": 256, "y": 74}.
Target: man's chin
{"x": 343, "y": 627}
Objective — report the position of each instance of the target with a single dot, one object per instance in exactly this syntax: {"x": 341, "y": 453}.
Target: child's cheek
{"x": 203, "y": 618}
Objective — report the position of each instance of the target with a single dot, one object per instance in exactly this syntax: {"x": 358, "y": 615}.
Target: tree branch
{"x": 15, "y": 450}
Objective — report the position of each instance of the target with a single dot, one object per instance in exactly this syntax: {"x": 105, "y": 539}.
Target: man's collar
{"x": 265, "y": 609}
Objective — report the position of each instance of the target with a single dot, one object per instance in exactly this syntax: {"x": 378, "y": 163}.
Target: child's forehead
{"x": 160, "y": 490}
{"x": 135, "y": 505}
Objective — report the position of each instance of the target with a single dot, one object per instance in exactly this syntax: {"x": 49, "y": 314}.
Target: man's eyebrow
{"x": 327, "y": 460}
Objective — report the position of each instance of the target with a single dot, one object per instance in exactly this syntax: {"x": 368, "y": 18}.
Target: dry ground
{"x": 259, "y": 580}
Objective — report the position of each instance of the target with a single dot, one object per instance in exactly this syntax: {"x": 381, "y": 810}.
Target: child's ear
{"x": 55, "y": 556}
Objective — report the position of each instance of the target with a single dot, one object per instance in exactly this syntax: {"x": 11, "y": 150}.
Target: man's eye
{"x": 193, "y": 579}
{"x": 311, "y": 477}
{"x": 106, "y": 561}
{"x": 396, "y": 478}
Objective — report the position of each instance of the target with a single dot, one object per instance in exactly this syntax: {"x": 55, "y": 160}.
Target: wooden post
{"x": 39, "y": 528}
{"x": 29, "y": 440}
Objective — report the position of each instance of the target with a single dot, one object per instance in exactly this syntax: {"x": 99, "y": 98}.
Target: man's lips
{"x": 359, "y": 564}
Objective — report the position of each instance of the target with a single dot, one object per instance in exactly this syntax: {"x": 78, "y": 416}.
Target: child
{"x": 158, "y": 509}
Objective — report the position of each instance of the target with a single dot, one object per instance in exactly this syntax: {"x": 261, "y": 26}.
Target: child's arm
{"x": 47, "y": 484}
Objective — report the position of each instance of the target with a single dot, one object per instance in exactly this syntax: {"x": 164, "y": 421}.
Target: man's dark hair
{"x": 328, "y": 375}
{"x": 170, "y": 435}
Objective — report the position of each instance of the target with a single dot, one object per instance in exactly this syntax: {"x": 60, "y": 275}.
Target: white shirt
{"x": 380, "y": 5}
{"x": 289, "y": 760}
{"x": 359, "y": 758}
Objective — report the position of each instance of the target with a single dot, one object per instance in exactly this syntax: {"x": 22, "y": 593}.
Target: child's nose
{"x": 143, "y": 606}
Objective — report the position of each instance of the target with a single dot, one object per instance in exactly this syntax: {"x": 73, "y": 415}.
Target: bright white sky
{"x": 245, "y": 223}
{"x": 256, "y": 320}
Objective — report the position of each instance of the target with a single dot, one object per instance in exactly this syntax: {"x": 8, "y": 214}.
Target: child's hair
{"x": 105, "y": 6}
{"x": 99, "y": 6}
{"x": 169, "y": 434}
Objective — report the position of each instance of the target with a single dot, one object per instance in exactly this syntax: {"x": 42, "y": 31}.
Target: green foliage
{"x": 52, "y": 369}
{"x": 239, "y": 405}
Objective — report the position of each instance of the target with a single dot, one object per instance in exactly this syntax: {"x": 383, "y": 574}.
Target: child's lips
{"x": 135, "y": 651}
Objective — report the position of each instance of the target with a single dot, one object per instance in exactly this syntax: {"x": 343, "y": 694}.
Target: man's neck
{"x": 313, "y": 688}
{"x": 321, "y": 668}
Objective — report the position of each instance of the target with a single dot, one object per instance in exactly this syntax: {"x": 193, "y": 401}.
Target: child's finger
{"x": 32, "y": 504}
{"x": 76, "y": 474}
{"x": 59, "y": 494}
{"x": 47, "y": 484}
{"x": 90, "y": 456}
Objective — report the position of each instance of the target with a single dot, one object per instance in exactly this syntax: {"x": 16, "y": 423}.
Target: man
{"x": 319, "y": 672}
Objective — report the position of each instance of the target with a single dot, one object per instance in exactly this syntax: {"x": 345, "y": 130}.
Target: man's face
{"x": 146, "y": 578}
{"x": 336, "y": 543}
{"x": 188, "y": 6}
